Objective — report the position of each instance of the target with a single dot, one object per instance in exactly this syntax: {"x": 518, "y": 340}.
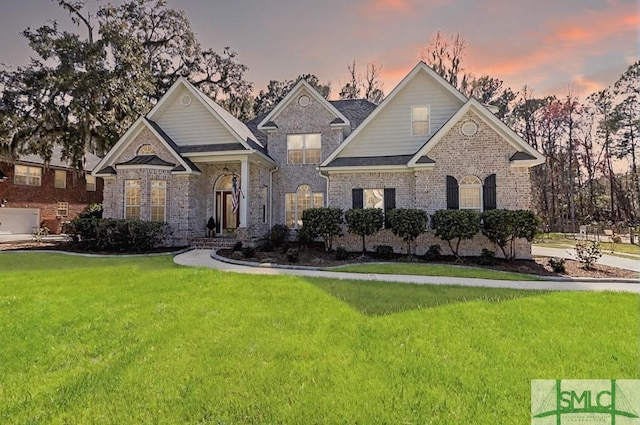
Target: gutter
{"x": 271, "y": 196}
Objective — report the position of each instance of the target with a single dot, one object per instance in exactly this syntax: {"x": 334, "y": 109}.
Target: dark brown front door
{"x": 227, "y": 220}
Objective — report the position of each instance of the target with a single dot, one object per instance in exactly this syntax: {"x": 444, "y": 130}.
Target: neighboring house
{"x": 425, "y": 146}
{"x": 35, "y": 194}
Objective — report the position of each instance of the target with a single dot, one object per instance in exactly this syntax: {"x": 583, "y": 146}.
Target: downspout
{"x": 271, "y": 196}
{"x": 326, "y": 178}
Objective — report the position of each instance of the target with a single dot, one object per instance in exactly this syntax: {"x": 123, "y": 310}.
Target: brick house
{"x": 425, "y": 146}
{"x": 33, "y": 194}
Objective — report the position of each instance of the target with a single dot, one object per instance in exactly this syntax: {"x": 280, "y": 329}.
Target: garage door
{"x": 19, "y": 220}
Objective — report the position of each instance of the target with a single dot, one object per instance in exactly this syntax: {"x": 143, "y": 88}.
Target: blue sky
{"x": 548, "y": 45}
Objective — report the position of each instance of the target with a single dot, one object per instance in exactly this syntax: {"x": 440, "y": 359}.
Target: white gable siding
{"x": 389, "y": 133}
{"x": 193, "y": 124}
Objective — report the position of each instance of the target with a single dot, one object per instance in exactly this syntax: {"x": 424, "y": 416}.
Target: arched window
{"x": 296, "y": 203}
{"x": 146, "y": 150}
{"x": 471, "y": 193}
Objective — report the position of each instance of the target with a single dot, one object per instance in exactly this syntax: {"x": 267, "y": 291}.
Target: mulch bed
{"x": 316, "y": 257}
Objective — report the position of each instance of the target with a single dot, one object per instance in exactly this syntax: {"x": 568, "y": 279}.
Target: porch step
{"x": 211, "y": 243}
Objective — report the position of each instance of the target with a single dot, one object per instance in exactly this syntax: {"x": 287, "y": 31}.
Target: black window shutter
{"x": 357, "y": 198}
{"x": 489, "y": 193}
{"x": 389, "y": 204}
{"x": 453, "y": 201}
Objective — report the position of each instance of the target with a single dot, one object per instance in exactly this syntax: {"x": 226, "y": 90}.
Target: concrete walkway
{"x": 570, "y": 253}
{"x": 203, "y": 258}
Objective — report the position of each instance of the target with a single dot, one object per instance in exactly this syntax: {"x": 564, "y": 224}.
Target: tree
{"x": 489, "y": 91}
{"x": 364, "y": 222}
{"x": 323, "y": 222}
{"x": 83, "y": 89}
{"x": 444, "y": 54}
{"x": 370, "y": 84}
{"x": 455, "y": 224}
{"x": 408, "y": 224}
{"x": 277, "y": 90}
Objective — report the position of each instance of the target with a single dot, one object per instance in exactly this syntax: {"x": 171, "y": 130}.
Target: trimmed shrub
{"x": 487, "y": 257}
{"x": 503, "y": 227}
{"x": 304, "y": 237}
{"x": 267, "y": 246}
{"x": 91, "y": 211}
{"x": 248, "y": 252}
{"x": 237, "y": 246}
{"x": 364, "y": 222}
{"x": 279, "y": 234}
{"x": 293, "y": 255}
{"x": 116, "y": 235}
{"x": 455, "y": 224}
{"x": 384, "y": 252}
{"x": 434, "y": 253}
{"x": 323, "y": 222}
{"x": 556, "y": 264}
{"x": 341, "y": 254}
{"x": 408, "y": 224}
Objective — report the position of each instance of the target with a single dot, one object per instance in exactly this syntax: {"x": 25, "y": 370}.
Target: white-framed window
{"x": 91, "y": 182}
{"x": 146, "y": 150}
{"x": 27, "y": 175}
{"x": 62, "y": 209}
{"x": 158, "y": 200}
{"x": 471, "y": 193}
{"x": 132, "y": 196}
{"x": 373, "y": 198}
{"x": 419, "y": 120}
{"x": 303, "y": 148}
{"x": 296, "y": 203}
{"x": 60, "y": 180}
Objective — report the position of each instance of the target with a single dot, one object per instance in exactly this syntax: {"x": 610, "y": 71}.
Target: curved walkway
{"x": 570, "y": 254}
{"x": 204, "y": 258}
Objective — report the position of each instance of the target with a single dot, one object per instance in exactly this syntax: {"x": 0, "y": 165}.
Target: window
{"x": 132, "y": 199}
{"x": 296, "y": 203}
{"x": 420, "y": 120}
{"x": 62, "y": 209}
{"x": 385, "y": 199}
{"x": 303, "y": 149}
{"x": 60, "y": 179}
{"x": 29, "y": 176}
{"x": 470, "y": 191}
{"x": 91, "y": 182}
{"x": 146, "y": 150}
{"x": 158, "y": 200}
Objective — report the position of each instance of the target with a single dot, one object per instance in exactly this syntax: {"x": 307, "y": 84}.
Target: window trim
{"x": 29, "y": 179}
{"x": 428, "y": 120}
{"x": 55, "y": 179}
{"x": 88, "y": 184}
{"x": 62, "y": 206}
{"x": 163, "y": 185}
{"x": 297, "y": 216}
{"x": 126, "y": 205}
{"x": 304, "y": 149}
{"x": 478, "y": 185}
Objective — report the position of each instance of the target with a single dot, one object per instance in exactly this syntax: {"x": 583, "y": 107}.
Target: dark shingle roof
{"x": 172, "y": 144}
{"x": 147, "y": 160}
{"x": 220, "y": 147}
{"x": 90, "y": 160}
{"x": 361, "y": 161}
{"x": 425, "y": 160}
{"x": 356, "y": 110}
{"x": 521, "y": 156}
{"x": 107, "y": 170}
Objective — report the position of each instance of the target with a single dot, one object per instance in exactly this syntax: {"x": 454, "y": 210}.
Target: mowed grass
{"x": 136, "y": 341}
{"x": 434, "y": 270}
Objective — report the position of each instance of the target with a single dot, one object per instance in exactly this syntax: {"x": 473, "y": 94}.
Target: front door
{"x": 226, "y": 220}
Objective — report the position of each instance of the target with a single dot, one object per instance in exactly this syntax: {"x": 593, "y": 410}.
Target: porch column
{"x": 244, "y": 188}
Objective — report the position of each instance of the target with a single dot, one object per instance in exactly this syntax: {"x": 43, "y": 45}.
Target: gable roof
{"x": 233, "y": 125}
{"x": 525, "y": 152}
{"x": 268, "y": 121}
{"x": 89, "y": 164}
{"x": 421, "y": 67}
{"x": 356, "y": 110}
{"x": 140, "y": 124}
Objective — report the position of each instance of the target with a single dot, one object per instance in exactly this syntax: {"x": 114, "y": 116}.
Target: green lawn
{"x": 434, "y": 270}
{"x": 137, "y": 341}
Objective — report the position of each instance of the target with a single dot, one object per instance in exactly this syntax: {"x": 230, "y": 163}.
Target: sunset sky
{"x": 548, "y": 45}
